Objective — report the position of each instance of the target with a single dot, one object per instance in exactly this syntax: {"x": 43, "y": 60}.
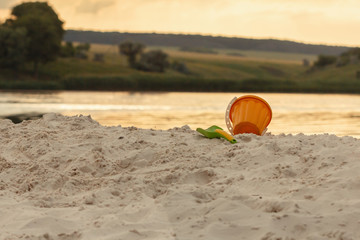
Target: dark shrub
{"x": 67, "y": 50}
{"x": 180, "y": 67}
{"x": 98, "y": 57}
{"x": 153, "y": 61}
{"x": 324, "y": 60}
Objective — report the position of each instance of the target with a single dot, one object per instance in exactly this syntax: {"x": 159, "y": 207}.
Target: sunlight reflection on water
{"x": 292, "y": 113}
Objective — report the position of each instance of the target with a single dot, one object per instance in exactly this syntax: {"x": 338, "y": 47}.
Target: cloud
{"x": 320, "y": 21}
{"x": 93, "y": 6}
{"x": 5, "y": 4}
{"x": 321, "y": 28}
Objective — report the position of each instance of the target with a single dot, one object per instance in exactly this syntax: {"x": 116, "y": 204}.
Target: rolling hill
{"x": 193, "y": 41}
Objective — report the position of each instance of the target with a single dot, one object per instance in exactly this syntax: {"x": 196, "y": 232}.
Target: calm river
{"x": 292, "y": 113}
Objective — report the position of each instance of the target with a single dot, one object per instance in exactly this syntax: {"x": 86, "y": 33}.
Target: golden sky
{"x": 333, "y": 22}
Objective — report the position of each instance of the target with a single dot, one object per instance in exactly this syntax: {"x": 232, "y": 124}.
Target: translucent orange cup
{"x": 248, "y": 114}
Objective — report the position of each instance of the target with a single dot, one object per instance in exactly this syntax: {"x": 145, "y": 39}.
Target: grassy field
{"x": 239, "y": 71}
{"x": 228, "y": 54}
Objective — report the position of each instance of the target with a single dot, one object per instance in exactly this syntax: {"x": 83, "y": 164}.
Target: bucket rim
{"x": 251, "y": 97}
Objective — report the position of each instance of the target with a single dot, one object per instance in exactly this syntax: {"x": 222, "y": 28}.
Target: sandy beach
{"x": 67, "y": 178}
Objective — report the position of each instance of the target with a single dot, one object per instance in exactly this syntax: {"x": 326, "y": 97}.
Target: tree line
{"x": 351, "y": 56}
{"x": 151, "y": 61}
{"x": 200, "y": 41}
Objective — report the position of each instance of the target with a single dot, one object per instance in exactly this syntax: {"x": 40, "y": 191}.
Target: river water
{"x": 292, "y": 113}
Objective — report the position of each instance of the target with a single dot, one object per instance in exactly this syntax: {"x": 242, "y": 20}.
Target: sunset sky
{"x": 333, "y": 22}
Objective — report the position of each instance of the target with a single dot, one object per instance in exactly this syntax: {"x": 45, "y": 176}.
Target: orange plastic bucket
{"x": 248, "y": 114}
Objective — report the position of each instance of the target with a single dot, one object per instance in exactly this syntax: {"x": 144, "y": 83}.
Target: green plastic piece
{"x": 216, "y": 132}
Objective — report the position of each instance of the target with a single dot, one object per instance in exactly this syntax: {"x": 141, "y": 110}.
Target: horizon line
{"x": 213, "y": 35}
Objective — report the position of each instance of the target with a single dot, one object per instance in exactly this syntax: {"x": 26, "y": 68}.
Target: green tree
{"x": 131, "y": 50}
{"x": 12, "y": 47}
{"x": 44, "y": 31}
{"x": 153, "y": 61}
{"x": 81, "y": 50}
{"x": 324, "y": 60}
{"x": 83, "y": 47}
{"x": 352, "y": 52}
{"x": 67, "y": 50}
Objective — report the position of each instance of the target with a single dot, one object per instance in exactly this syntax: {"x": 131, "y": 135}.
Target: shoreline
{"x": 178, "y": 84}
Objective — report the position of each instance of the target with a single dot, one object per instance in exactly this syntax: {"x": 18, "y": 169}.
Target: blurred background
{"x": 162, "y": 64}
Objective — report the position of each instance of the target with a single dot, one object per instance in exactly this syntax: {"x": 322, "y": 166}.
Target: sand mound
{"x": 71, "y": 178}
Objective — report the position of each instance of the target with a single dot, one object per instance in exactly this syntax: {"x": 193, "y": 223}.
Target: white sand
{"x": 71, "y": 178}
